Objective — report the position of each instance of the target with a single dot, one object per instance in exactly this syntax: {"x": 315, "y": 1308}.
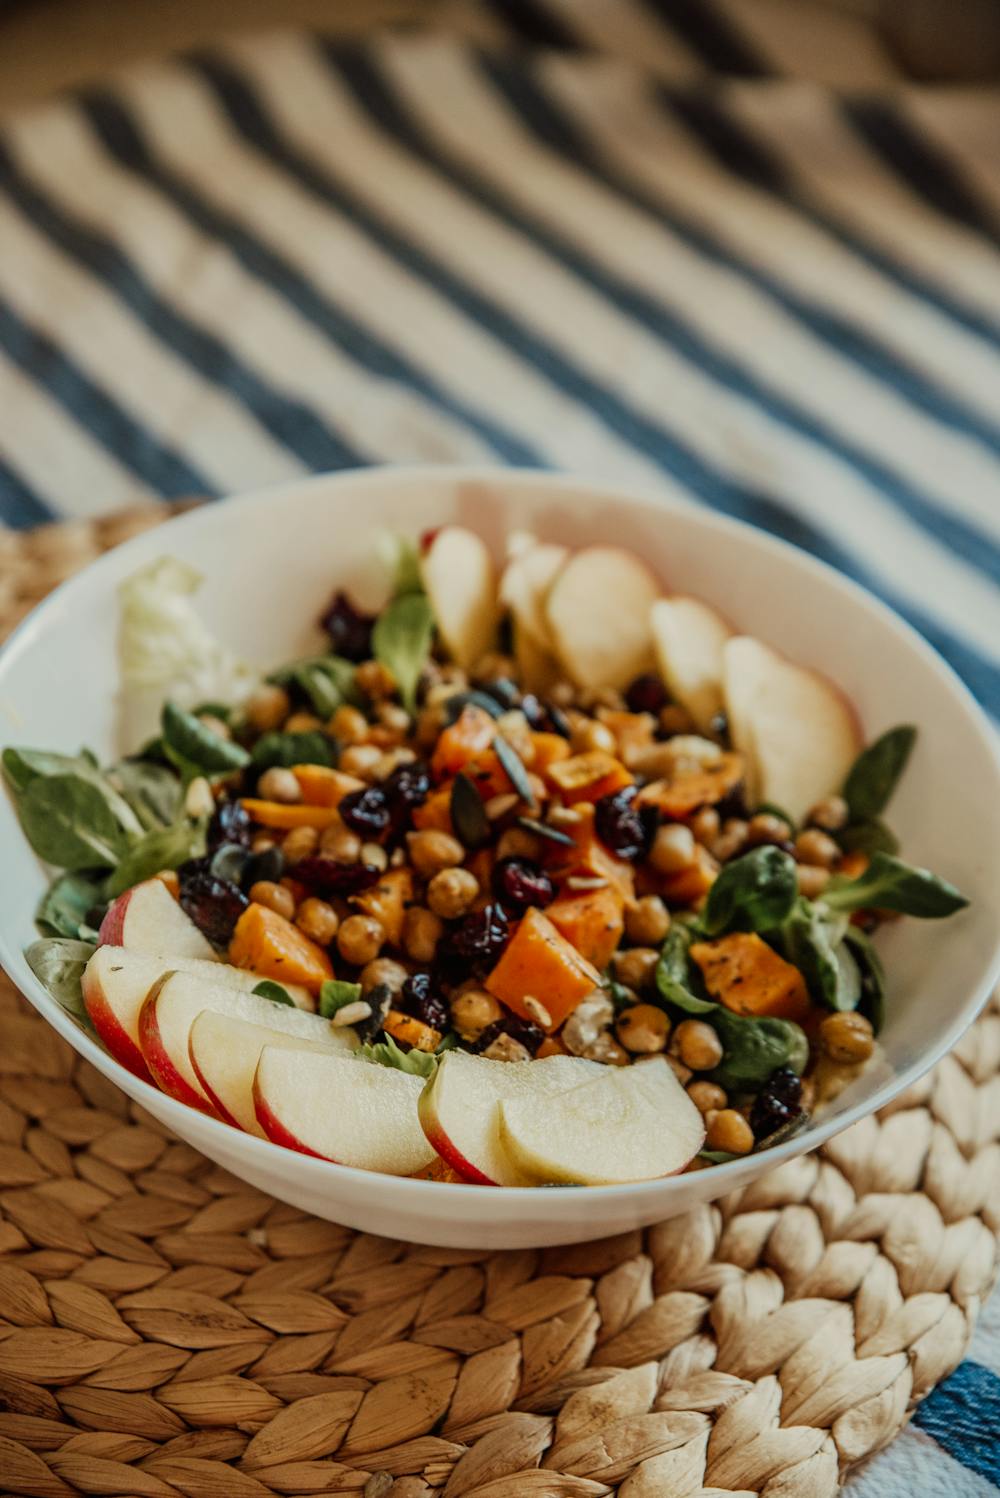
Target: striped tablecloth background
{"x": 718, "y": 245}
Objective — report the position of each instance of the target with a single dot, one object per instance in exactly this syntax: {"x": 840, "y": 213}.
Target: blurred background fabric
{"x": 744, "y": 251}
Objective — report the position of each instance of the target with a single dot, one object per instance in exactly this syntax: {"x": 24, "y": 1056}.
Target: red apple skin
{"x": 222, "y": 1112}
{"x": 438, "y": 1140}
{"x": 113, "y": 925}
{"x": 275, "y": 1129}
{"x": 164, "y": 1072}
{"x": 121, "y": 1045}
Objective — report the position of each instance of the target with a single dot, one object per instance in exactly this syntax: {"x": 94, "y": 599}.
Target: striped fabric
{"x": 716, "y": 245}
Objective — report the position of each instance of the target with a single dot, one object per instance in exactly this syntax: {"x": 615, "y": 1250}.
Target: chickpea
{"x": 302, "y": 723}
{"x": 514, "y": 728}
{"x": 728, "y": 1131}
{"x": 375, "y": 856}
{"x": 643, "y": 1029}
{"x": 300, "y": 843}
{"x": 431, "y": 851}
{"x": 562, "y": 693}
{"x": 587, "y": 734}
{"x": 391, "y": 760}
{"x": 340, "y": 843}
{"x": 268, "y": 707}
{"x": 606, "y": 1050}
{"x": 275, "y": 896}
{"x": 375, "y": 680}
{"x": 317, "y": 920}
{"x": 636, "y": 966}
{"x": 765, "y": 827}
{"x": 384, "y": 971}
{"x": 472, "y": 1011}
{"x": 360, "y": 759}
{"x": 673, "y": 849}
{"x": 831, "y": 814}
{"x": 348, "y": 725}
{"x": 451, "y": 892}
{"x": 812, "y": 881}
{"x": 360, "y": 939}
{"x": 847, "y": 1038}
{"x": 261, "y": 841}
{"x": 393, "y": 716}
{"x": 731, "y": 840}
{"x": 675, "y": 719}
{"x": 518, "y": 842}
{"x": 817, "y": 848}
{"x": 698, "y": 1045}
{"x": 706, "y": 1097}
{"x": 422, "y": 930}
{"x": 680, "y": 1071}
{"x": 647, "y": 921}
{"x": 705, "y": 825}
{"x": 278, "y": 784}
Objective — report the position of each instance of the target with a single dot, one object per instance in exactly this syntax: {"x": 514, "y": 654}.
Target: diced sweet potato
{"x": 278, "y": 814}
{"x": 587, "y": 777}
{"x": 682, "y": 794}
{"x": 471, "y": 733}
{"x": 633, "y": 731}
{"x": 435, "y": 813}
{"x": 549, "y": 748}
{"x": 488, "y": 775}
{"x": 321, "y": 786}
{"x": 591, "y": 920}
{"x": 588, "y": 855}
{"x": 387, "y": 901}
{"x": 267, "y": 943}
{"x": 412, "y": 1032}
{"x": 688, "y": 886}
{"x": 749, "y": 977}
{"x": 540, "y": 963}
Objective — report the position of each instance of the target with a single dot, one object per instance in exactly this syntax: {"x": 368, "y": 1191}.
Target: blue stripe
{"x": 387, "y": 111}
{"x": 291, "y": 422}
{"x": 963, "y": 1416}
{"x": 740, "y": 152}
{"x": 120, "y": 134}
{"x": 925, "y": 169}
{"x": 531, "y": 22}
{"x": 20, "y": 507}
{"x": 712, "y": 36}
{"x": 158, "y": 464}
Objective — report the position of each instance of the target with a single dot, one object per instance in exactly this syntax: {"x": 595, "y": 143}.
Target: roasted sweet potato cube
{"x": 591, "y": 920}
{"x": 750, "y": 978}
{"x": 587, "y": 777}
{"x": 267, "y": 943}
{"x": 387, "y": 901}
{"x": 540, "y": 963}
{"x": 321, "y": 786}
{"x": 680, "y": 795}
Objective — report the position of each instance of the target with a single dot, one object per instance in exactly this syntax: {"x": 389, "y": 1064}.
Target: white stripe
{"x": 965, "y": 124}
{"x": 915, "y": 1466}
{"x": 57, "y": 456}
{"x": 157, "y": 388}
{"x": 656, "y": 151}
{"x": 813, "y": 41}
{"x": 627, "y": 28}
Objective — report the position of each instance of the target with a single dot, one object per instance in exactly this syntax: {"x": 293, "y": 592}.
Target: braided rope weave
{"x": 167, "y": 1330}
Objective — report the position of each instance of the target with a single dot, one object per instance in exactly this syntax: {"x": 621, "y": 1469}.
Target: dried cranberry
{"x": 405, "y": 789}
{"x": 215, "y": 905}
{"x": 518, "y": 1029}
{"x": 230, "y": 824}
{"x": 332, "y": 878}
{"x": 419, "y": 999}
{"x": 477, "y": 940}
{"x": 777, "y": 1103}
{"x": 625, "y": 828}
{"x": 518, "y": 883}
{"x": 350, "y": 631}
{"x": 646, "y": 694}
{"x": 366, "y": 812}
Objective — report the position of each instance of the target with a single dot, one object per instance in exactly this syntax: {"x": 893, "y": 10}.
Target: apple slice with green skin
{"x": 689, "y": 637}
{"x": 460, "y": 579}
{"x": 172, "y": 1007}
{"x": 224, "y": 1053}
{"x": 459, "y": 1108}
{"x": 598, "y": 613}
{"x": 116, "y": 983}
{"x": 147, "y": 918}
{"x": 338, "y": 1108}
{"x": 798, "y": 732}
{"x": 634, "y": 1123}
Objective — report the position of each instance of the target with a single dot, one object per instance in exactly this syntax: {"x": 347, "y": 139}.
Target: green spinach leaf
{"x": 875, "y": 773}
{"x": 162, "y": 848}
{"x": 68, "y": 822}
{"x": 327, "y": 681}
{"x": 58, "y": 964}
{"x": 869, "y": 963}
{"x": 752, "y": 893}
{"x": 153, "y": 791}
{"x": 868, "y": 837}
{"x": 23, "y": 767}
{"x": 402, "y": 639}
{"x": 890, "y": 884}
{"x": 387, "y": 1053}
{"x": 67, "y": 903}
{"x": 813, "y": 940}
{"x": 195, "y": 749}
{"x": 754, "y": 1048}
{"x": 676, "y": 979}
{"x": 267, "y": 989}
{"x": 287, "y": 749}
{"x": 337, "y": 994}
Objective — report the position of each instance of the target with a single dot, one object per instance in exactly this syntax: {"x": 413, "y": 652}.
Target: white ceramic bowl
{"x": 271, "y": 559}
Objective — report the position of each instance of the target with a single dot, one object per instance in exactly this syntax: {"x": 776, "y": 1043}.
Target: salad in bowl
{"x": 536, "y": 873}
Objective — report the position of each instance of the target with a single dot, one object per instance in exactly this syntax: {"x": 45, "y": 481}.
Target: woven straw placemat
{"x": 166, "y": 1329}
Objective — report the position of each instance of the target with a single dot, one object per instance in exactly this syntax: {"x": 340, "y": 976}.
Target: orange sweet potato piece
{"x": 488, "y": 775}
{"x": 591, "y": 920}
{"x": 267, "y": 943}
{"x": 387, "y": 901}
{"x": 749, "y": 977}
{"x": 588, "y": 855}
{"x": 278, "y": 814}
{"x": 435, "y": 813}
{"x": 587, "y": 777}
{"x": 540, "y": 963}
{"x": 633, "y": 731}
{"x": 549, "y": 748}
{"x": 682, "y": 794}
{"x": 692, "y": 884}
{"x": 321, "y": 786}
{"x": 412, "y": 1032}
{"x": 471, "y": 733}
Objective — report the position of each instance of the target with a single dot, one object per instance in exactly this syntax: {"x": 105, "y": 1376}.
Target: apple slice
{"x": 350, "y": 1111}
{"x": 147, "y": 918}
{"x": 459, "y": 1108}
{"x": 460, "y": 579}
{"x": 798, "y": 732}
{"x": 688, "y": 637}
{"x": 116, "y": 982}
{"x": 172, "y": 1007}
{"x": 635, "y": 1123}
{"x": 524, "y": 587}
{"x": 224, "y": 1053}
{"x": 598, "y": 613}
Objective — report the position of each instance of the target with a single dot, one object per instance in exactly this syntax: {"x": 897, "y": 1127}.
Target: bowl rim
{"x": 649, "y": 499}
